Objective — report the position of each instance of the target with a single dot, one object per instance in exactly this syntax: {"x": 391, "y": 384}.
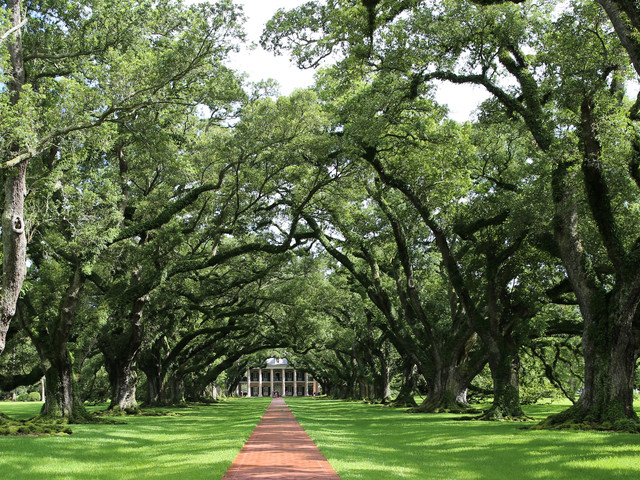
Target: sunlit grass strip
{"x": 373, "y": 442}
{"x": 200, "y": 443}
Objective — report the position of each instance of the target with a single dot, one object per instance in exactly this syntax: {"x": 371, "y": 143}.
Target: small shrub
{"x": 35, "y": 397}
{"x": 23, "y": 397}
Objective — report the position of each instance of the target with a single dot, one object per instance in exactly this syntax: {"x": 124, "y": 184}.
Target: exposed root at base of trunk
{"x": 403, "y": 403}
{"x": 499, "y": 413}
{"x": 487, "y": 417}
{"x": 84, "y": 418}
{"x": 117, "y": 411}
{"x": 440, "y": 408}
{"x": 139, "y": 412}
{"x": 32, "y": 428}
{"x": 624, "y": 426}
{"x": 579, "y": 418}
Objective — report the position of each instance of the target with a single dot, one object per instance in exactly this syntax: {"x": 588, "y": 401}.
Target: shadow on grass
{"x": 201, "y": 443}
{"x": 372, "y": 442}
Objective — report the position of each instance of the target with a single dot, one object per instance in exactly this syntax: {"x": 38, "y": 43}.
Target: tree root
{"x": 33, "y": 427}
{"x": 83, "y": 418}
{"x": 402, "y": 404}
{"x": 578, "y": 418}
{"x": 430, "y": 408}
{"x": 403, "y": 401}
{"x": 489, "y": 417}
{"x": 136, "y": 413}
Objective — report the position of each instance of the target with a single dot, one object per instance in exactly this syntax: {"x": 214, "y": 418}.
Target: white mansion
{"x": 277, "y": 379}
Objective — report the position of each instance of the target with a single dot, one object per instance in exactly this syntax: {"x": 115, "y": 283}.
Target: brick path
{"x": 280, "y": 449}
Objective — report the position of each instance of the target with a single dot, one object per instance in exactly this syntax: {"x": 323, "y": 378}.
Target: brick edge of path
{"x": 279, "y": 448}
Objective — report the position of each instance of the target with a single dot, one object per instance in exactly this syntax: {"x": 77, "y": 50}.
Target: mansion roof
{"x": 277, "y": 363}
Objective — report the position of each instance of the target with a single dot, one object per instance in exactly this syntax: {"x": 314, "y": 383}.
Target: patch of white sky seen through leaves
{"x": 258, "y": 64}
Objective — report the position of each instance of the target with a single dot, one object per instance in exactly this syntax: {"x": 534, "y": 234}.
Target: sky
{"x": 257, "y": 62}
{"x": 261, "y": 65}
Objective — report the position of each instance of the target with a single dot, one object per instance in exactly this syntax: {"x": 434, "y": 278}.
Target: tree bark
{"x": 405, "y": 394}
{"x": 443, "y": 397}
{"x": 155, "y": 390}
{"x": 609, "y": 342}
{"x": 626, "y": 32}
{"x": 150, "y": 362}
{"x": 123, "y": 380}
{"x": 62, "y": 398}
{"x": 120, "y": 352}
{"x": 11, "y": 382}
{"x": 504, "y": 364}
{"x": 385, "y": 388}
{"x": 610, "y": 351}
{"x": 14, "y": 238}
{"x": 447, "y": 388}
{"x": 175, "y": 389}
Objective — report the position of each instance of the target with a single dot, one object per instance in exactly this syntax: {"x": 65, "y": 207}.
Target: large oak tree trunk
{"x": 150, "y": 362}
{"x": 447, "y": 389}
{"x": 14, "y": 239}
{"x": 62, "y": 398}
{"x": 625, "y": 18}
{"x": 443, "y": 396}
{"x": 504, "y": 364}
{"x": 175, "y": 389}
{"x": 120, "y": 351}
{"x": 405, "y": 394}
{"x": 383, "y": 386}
{"x": 609, "y": 342}
{"x": 123, "y": 380}
{"x": 610, "y": 349}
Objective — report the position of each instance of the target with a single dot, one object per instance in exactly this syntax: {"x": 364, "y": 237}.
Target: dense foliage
{"x": 165, "y": 226}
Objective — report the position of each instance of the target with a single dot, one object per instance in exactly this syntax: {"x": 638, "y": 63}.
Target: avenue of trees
{"x": 166, "y": 224}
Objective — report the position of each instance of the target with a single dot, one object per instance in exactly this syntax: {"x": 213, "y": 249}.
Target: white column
{"x": 271, "y": 379}
{"x": 306, "y": 384}
{"x": 283, "y": 389}
{"x": 248, "y": 382}
{"x": 259, "y": 382}
{"x": 295, "y": 383}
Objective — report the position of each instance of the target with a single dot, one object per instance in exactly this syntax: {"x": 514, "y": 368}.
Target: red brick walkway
{"x": 280, "y": 449}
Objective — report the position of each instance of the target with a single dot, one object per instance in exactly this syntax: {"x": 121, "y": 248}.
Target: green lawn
{"x": 199, "y": 444}
{"x": 376, "y": 443}
{"x": 361, "y": 442}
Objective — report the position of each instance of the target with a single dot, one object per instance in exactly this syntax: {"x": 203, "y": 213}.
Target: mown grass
{"x": 361, "y": 441}
{"x": 20, "y": 410}
{"x": 376, "y": 443}
{"x": 199, "y": 443}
